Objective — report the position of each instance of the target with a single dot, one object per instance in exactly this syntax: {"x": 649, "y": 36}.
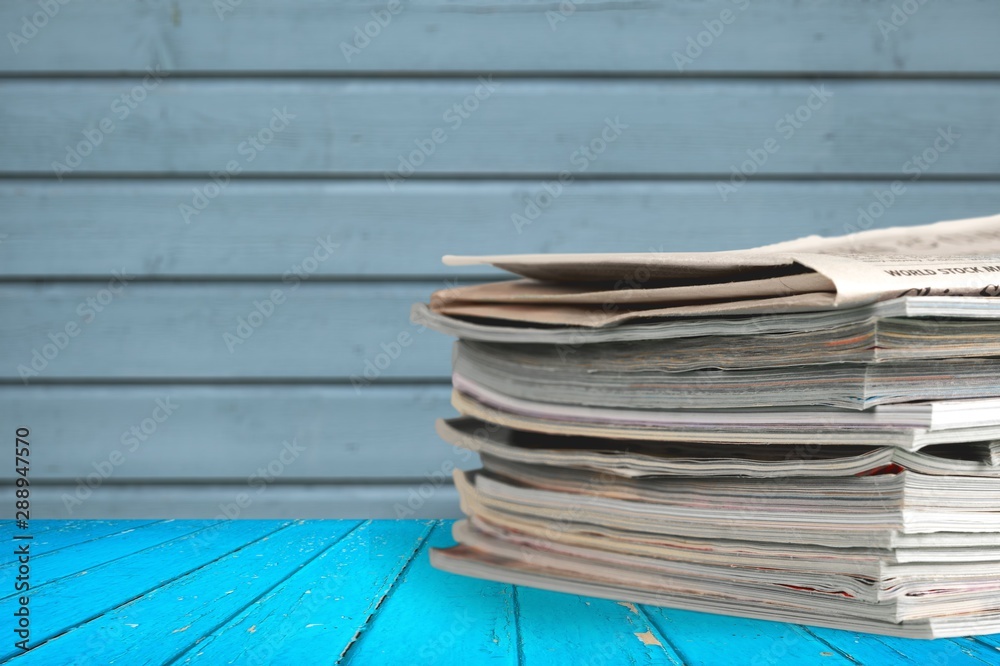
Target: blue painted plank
{"x": 177, "y": 499}
{"x": 993, "y": 641}
{"x": 103, "y": 546}
{"x": 533, "y": 127}
{"x": 68, "y": 602}
{"x": 432, "y": 617}
{"x": 181, "y": 612}
{"x": 51, "y": 535}
{"x": 265, "y": 227}
{"x": 871, "y": 649}
{"x": 83, "y": 426}
{"x": 620, "y": 35}
{"x": 8, "y": 527}
{"x": 974, "y": 651}
{"x": 153, "y": 330}
{"x": 865, "y": 648}
{"x": 557, "y": 628}
{"x": 943, "y": 651}
{"x": 990, "y": 643}
{"x": 320, "y": 608}
{"x": 704, "y": 638}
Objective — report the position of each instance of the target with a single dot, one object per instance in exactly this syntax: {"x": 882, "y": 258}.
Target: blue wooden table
{"x": 362, "y": 592}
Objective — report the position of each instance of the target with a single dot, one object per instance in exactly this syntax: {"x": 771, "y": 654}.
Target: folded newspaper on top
{"x": 808, "y": 431}
{"x": 960, "y": 258}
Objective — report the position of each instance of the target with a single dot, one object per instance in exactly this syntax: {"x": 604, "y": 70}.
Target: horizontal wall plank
{"x": 152, "y": 331}
{"x": 194, "y": 501}
{"x": 368, "y": 127}
{"x": 294, "y": 433}
{"x": 267, "y": 228}
{"x": 485, "y": 35}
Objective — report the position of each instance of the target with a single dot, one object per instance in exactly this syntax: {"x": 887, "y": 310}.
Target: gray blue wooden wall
{"x": 115, "y": 114}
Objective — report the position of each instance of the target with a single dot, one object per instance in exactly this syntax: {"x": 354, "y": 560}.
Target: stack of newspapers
{"x": 806, "y": 432}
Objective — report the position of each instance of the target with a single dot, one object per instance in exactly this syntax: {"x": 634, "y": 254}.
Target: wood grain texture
{"x": 51, "y": 535}
{"x": 265, "y": 228}
{"x": 258, "y": 434}
{"x": 888, "y": 649}
{"x": 8, "y": 528}
{"x": 344, "y": 592}
{"x": 64, "y": 603}
{"x": 120, "y": 539}
{"x": 603, "y": 629}
{"x": 704, "y": 640}
{"x": 485, "y": 35}
{"x": 153, "y": 331}
{"x": 322, "y": 606}
{"x": 186, "y": 608}
{"x": 680, "y": 127}
{"x": 436, "y": 618}
{"x": 415, "y": 498}
{"x": 989, "y": 641}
